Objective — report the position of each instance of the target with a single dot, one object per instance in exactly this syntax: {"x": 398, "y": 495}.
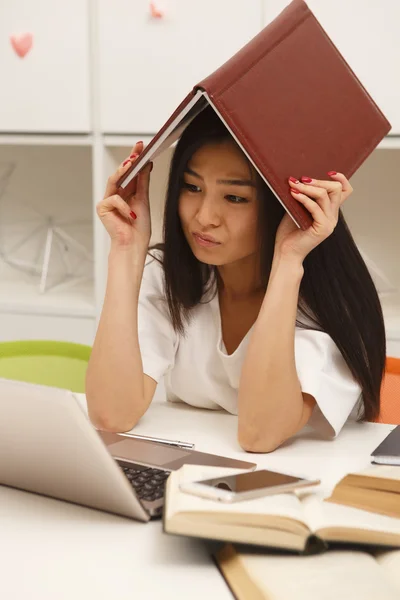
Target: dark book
{"x": 388, "y": 452}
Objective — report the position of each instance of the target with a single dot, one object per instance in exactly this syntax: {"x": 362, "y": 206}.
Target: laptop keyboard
{"x": 147, "y": 482}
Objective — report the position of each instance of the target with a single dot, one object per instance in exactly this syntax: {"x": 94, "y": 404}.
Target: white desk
{"x": 52, "y": 550}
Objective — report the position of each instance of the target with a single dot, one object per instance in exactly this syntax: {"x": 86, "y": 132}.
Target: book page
{"x": 384, "y": 471}
{"x": 279, "y": 505}
{"x": 390, "y": 563}
{"x": 321, "y": 515}
{"x": 332, "y": 575}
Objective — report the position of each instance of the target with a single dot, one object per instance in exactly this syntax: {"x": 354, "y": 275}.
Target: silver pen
{"x": 175, "y": 443}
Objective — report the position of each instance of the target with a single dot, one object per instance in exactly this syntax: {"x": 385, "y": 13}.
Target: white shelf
{"x": 125, "y": 140}
{"x": 22, "y": 297}
{"x": 45, "y": 139}
{"x": 390, "y": 142}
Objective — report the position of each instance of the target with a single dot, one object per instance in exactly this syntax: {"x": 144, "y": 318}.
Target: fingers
{"x": 319, "y": 194}
{"x": 138, "y": 147}
{"x": 111, "y": 203}
{"x": 338, "y": 179}
{"x": 308, "y": 183}
{"x": 318, "y": 214}
{"x": 346, "y": 187}
{"x": 111, "y": 187}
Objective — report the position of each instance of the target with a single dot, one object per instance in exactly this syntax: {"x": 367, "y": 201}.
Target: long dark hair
{"x": 337, "y": 294}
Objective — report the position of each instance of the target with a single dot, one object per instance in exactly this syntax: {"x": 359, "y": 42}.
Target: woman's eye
{"x": 231, "y": 198}
{"x": 190, "y": 186}
{"x": 236, "y": 199}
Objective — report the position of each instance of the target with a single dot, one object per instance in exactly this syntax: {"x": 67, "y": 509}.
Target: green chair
{"x": 57, "y": 364}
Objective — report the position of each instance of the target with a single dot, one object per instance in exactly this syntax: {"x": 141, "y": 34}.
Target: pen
{"x": 175, "y": 443}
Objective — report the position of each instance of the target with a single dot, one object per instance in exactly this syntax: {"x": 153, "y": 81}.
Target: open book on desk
{"x": 291, "y": 102}
{"x": 300, "y": 523}
{"x": 375, "y": 489}
{"x": 333, "y": 575}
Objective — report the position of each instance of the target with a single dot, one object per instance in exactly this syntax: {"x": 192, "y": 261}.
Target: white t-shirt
{"x": 199, "y": 371}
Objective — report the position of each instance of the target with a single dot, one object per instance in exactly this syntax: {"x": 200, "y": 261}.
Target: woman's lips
{"x": 205, "y": 243}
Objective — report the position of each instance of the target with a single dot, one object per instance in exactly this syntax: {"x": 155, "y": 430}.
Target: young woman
{"x": 238, "y": 308}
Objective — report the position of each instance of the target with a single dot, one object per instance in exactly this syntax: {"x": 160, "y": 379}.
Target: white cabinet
{"x": 367, "y": 35}
{"x": 47, "y": 89}
{"x": 148, "y": 65}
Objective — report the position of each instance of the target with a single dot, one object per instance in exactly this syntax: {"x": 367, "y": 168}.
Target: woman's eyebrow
{"x": 242, "y": 182}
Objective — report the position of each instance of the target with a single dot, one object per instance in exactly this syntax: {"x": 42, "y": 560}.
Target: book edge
{"x": 236, "y": 577}
{"x": 161, "y": 136}
{"x": 369, "y": 482}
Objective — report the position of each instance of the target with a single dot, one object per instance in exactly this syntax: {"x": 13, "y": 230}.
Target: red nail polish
{"x": 140, "y": 142}
{"x": 306, "y": 179}
{"x": 134, "y": 155}
{"x": 133, "y": 215}
{"x": 332, "y": 173}
{"x": 125, "y": 162}
{"x": 293, "y": 180}
{"x": 294, "y": 191}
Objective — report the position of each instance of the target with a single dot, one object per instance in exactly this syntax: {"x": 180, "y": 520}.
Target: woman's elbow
{"x": 106, "y": 422}
{"x": 258, "y": 444}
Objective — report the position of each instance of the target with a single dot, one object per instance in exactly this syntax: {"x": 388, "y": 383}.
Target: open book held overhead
{"x": 291, "y": 102}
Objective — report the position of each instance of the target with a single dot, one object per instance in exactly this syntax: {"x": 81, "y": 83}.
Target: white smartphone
{"x": 246, "y": 486}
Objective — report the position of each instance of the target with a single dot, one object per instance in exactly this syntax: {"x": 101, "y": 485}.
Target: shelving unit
{"x": 52, "y": 178}
{"x": 63, "y": 164}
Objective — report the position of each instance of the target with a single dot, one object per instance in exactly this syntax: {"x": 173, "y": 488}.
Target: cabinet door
{"x": 47, "y": 88}
{"x": 149, "y": 64}
{"x": 367, "y": 35}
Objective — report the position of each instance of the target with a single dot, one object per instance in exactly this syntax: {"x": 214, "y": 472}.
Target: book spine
{"x": 315, "y": 545}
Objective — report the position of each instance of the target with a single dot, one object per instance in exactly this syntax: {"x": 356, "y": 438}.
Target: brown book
{"x": 333, "y": 575}
{"x": 300, "y": 522}
{"x": 377, "y": 489}
{"x": 291, "y": 102}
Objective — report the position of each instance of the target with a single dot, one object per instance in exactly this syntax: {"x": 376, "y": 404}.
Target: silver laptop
{"x": 49, "y": 446}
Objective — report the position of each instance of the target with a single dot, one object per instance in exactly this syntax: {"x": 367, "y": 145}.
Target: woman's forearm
{"x": 114, "y": 378}
{"x": 270, "y": 397}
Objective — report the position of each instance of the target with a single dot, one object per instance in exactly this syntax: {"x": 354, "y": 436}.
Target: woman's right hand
{"x": 128, "y": 221}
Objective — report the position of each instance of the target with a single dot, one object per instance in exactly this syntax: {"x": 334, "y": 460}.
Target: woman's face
{"x": 218, "y": 200}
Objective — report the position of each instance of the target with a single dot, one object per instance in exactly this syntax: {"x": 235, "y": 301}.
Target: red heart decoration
{"x": 22, "y": 43}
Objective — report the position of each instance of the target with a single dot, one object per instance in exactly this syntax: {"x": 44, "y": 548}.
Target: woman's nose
{"x": 207, "y": 213}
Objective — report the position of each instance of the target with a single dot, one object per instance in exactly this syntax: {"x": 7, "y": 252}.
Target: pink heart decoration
{"x": 22, "y": 43}
{"x": 155, "y": 12}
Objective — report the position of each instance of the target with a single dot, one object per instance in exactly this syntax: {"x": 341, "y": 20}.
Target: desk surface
{"x": 52, "y": 550}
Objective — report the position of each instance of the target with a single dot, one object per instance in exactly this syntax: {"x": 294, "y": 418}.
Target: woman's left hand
{"x": 323, "y": 200}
